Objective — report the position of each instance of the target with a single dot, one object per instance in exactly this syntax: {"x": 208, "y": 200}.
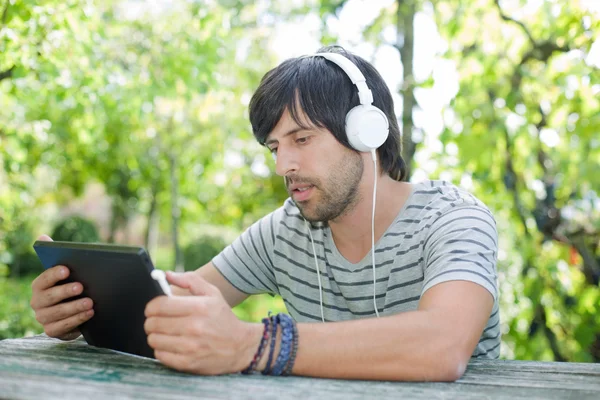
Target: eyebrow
{"x": 288, "y": 133}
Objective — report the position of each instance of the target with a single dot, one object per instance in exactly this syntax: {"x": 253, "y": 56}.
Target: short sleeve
{"x": 462, "y": 245}
{"x": 247, "y": 263}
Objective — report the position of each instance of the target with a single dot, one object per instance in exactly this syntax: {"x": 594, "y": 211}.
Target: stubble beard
{"x": 338, "y": 196}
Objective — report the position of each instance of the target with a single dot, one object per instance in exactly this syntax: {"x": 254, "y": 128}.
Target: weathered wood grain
{"x": 44, "y": 368}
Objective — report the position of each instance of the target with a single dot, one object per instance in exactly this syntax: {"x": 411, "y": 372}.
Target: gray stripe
{"x": 476, "y": 263}
{"x": 466, "y": 217}
{"x": 262, "y": 239}
{"x": 453, "y": 221}
{"x": 230, "y": 281}
{"x": 487, "y": 351}
{"x": 241, "y": 260}
{"x": 473, "y": 228}
{"x": 362, "y": 283}
{"x": 491, "y": 327}
{"x": 355, "y": 271}
{"x": 407, "y": 266}
{"x": 467, "y": 241}
{"x": 304, "y": 235}
{"x": 242, "y": 277}
{"x": 404, "y": 284}
{"x": 272, "y": 229}
{"x": 490, "y": 338}
{"x": 418, "y": 207}
{"x": 495, "y": 313}
{"x": 395, "y": 303}
{"x": 255, "y": 248}
{"x": 401, "y": 252}
{"x": 397, "y": 269}
{"x": 297, "y": 264}
{"x": 313, "y": 301}
{"x": 303, "y": 251}
{"x": 434, "y": 191}
{"x": 292, "y": 307}
{"x": 487, "y": 259}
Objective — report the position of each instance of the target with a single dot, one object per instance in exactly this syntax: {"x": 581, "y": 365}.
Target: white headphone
{"x": 367, "y": 128}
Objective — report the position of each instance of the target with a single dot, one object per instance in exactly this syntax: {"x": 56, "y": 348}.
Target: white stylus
{"x": 159, "y": 276}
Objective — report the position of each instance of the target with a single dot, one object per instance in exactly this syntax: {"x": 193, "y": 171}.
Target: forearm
{"x": 409, "y": 346}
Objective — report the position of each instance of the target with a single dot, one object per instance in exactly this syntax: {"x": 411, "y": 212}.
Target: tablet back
{"x": 117, "y": 279}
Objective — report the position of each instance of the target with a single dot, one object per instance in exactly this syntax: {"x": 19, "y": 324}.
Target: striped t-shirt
{"x": 442, "y": 233}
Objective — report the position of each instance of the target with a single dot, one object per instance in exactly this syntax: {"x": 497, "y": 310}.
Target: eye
{"x": 303, "y": 140}
{"x": 273, "y": 150}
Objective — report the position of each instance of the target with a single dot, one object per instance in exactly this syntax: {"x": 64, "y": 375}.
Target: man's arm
{"x": 212, "y": 275}
{"x": 198, "y": 334}
{"x": 433, "y": 343}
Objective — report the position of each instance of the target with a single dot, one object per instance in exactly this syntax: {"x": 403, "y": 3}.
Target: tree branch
{"x": 552, "y": 340}
{"x": 5, "y": 12}
{"x": 514, "y": 21}
{"x": 591, "y": 267}
{"x": 405, "y": 15}
{"x": 510, "y": 181}
{"x": 7, "y": 74}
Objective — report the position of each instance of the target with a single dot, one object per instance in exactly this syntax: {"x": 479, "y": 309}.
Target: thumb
{"x": 178, "y": 279}
{"x": 194, "y": 283}
{"x": 44, "y": 238}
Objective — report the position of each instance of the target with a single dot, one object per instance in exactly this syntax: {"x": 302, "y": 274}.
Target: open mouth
{"x": 302, "y": 194}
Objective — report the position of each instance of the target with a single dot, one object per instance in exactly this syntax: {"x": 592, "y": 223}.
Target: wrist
{"x": 250, "y": 342}
{"x": 262, "y": 365}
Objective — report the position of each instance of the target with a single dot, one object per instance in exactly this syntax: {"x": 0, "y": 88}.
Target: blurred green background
{"x": 126, "y": 122}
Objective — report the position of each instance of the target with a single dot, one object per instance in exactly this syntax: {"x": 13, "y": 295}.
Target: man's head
{"x": 311, "y": 94}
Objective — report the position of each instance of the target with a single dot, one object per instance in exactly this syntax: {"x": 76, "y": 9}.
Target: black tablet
{"x": 117, "y": 279}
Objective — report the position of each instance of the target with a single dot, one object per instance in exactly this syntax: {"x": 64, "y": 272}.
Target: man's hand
{"x": 199, "y": 333}
{"x": 60, "y": 320}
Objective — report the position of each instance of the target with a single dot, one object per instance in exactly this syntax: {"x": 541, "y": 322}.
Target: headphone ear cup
{"x": 367, "y": 127}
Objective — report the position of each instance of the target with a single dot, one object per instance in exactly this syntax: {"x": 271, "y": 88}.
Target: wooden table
{"x": 43, "y": 368}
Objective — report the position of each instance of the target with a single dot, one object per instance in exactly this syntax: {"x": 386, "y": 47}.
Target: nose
{"x": 285, "y": 161}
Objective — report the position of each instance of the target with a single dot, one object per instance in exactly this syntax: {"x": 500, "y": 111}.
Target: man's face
{"x": 321, "y": 175}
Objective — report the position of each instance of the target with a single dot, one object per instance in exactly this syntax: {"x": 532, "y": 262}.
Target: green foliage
{"x": 76, "y": 229}
{"x": 17, "y": 319}
{"x": 153, "y": 106}
{"x": 201, "y": 251}
{"x": 255, "y": 308}
{"x": 21, "y": 260}
{"x": 521, "y": 134}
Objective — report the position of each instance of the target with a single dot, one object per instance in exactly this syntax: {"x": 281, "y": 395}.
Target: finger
{"x": 45, "y": 238}
{"x": 168, "y": 343}
{"x": 60, "y": 328}
{"x": 61, "y": 311}
{"x": 176, "y": 306}
{"x": 180, "y": 362}
{"x": 72, "y": 335}
{"x": 192, "y": 281}
{"x": 49, "y": 278}
{"x": 165, "y": 325}
{"x": 54, "y": 295}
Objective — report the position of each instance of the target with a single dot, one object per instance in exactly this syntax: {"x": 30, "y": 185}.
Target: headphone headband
{"x": 364, "y": 93}
{"x": 366, "y": 126}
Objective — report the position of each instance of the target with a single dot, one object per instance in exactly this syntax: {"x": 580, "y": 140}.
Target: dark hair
{"x": 325, "y": 93}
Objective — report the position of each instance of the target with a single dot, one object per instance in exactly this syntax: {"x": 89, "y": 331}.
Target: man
{"x": 408, "y": 295}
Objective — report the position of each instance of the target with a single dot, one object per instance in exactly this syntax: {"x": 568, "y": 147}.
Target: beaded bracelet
{"x": 261, "y": 348}
{"x": 288, "y": 368}
{"x": 274, "y": 321}
{"x": 287, "y": 334}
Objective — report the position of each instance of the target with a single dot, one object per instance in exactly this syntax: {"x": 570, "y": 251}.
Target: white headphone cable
{"x": 374, "y": 157}
{"x": 312, "y": 242}
{"x": 318, "y": 270}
